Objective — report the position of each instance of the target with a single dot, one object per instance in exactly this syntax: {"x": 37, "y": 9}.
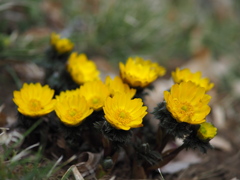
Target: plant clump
{"x": 109, "y": 117}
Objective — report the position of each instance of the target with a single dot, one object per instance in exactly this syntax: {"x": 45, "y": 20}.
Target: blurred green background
{"x": 158, "y": 29}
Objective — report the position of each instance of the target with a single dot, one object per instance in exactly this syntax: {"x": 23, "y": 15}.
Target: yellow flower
{"x": 117, "y": 86}
{"x": 187, "y": 102}
{"x": 95, "y": 92}
{"x": 54, "y": 38}
{"x": 186, "y": 75}
{"x": 81, "y": 69}
{"x": 34, "y": 100}
{"x": 138, "y": 72}
{"x": 72, "y": 108}
{"x": 61, "y": 45}
{"x": 206, "y": 131}
{"x": 124, "y": 113}
{"x": 70, "y": 92}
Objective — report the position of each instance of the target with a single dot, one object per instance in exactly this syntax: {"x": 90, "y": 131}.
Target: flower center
{"x": 95, "y": 100}
{"x": 35, "y": 105}
{"x": 124, "y": 117}
{"x": 186, "y": 109}
{"x": 74, "y": 114}
{"x": 122, "y": 114}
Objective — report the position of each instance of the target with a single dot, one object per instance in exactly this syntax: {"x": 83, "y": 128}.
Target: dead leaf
{"x": 11, "y": 137}
{"x": 212, "y": 68}
{"x": 223, "y": 9}
{"x": 105, "y": 67}
{"x": 3, "y": 117}
{"x": 236, "y": 88}
{"x": 221, "y": 143}
{"x": 61, "y": 142}
{"x": 77, "y": 174}
{"x": 23, "y": 153}
{"x": 155, "y": 95}
{"x": 92, "y": 6}
{"x": 37, "y": 33}
{"x": 219, "y": 116}
{"x": 183, "y": 161}
{"x": 29, "y": 71}
{"x": 88, "y": 162}
{"x": 54, "y": 13}
{"x": 235, "y": 178}
{"x": 138, "y": 171}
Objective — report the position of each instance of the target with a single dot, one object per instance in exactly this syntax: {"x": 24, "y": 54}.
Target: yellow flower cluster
{"x": 61, "y": 45}
{"x": 139, "y": 73}
{"x": 114, "y": 96}
{"x": 186, "y": 75}
{"x": 74, "y": 106}
{"x": 81, "y": 69}
{"x": 187, "y": 100}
